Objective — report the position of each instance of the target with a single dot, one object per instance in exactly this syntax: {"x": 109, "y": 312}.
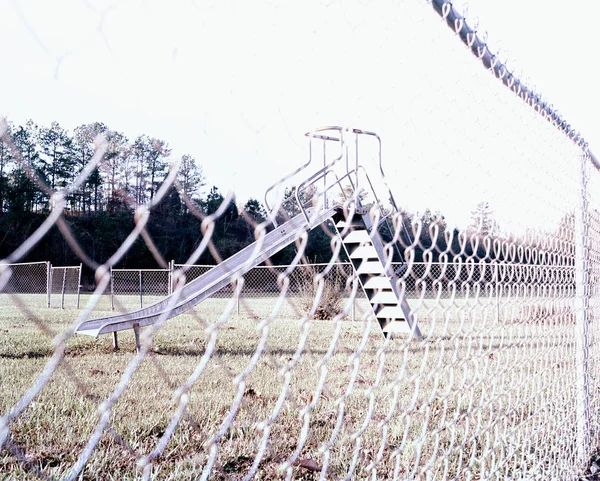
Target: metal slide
{"x": 363, "y": 244}
{"x": 212, "y": 281}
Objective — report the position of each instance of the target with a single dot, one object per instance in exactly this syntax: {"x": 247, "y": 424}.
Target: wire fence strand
{"x": 450, "y": 333}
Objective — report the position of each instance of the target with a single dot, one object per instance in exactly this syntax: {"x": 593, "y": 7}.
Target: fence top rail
{"x": 24, "y": 263}
{"x": 463, "y": 263}
{"x": 493, "y": 263}
{"x": 267, "y": 267}
{"x": 140, "y": 270}
{"x": 65, "y": 267}
{"x": 491, "y": 61}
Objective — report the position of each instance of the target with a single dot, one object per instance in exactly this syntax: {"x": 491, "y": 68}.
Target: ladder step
{"x": 358, "y": 236}
{"x": 366, "y": 251}
{"x": 390, "y": 313}
{"x": 377, "y": 282}
{"x": 370, "y": 267}
{"x": 357, "y": 224}
{"x": 400, "y": 327}
{"x": 384, "y": 297}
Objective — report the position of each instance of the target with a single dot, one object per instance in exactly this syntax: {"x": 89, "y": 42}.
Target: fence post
{"x": 62, "y": 294}
{"x": 48, "y": 282}
{"x": 497, "y": 275}
{"x": 141, "y": 290}
{"x": 237, "y": 298}
{"x": 582, "y": 318}
{"x": 79, "y": 284}
{"x": 112, "y": 290}
{"x": 170, "y": 280}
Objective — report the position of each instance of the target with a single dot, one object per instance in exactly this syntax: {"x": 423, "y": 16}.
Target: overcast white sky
{"x": 236, "y": 84}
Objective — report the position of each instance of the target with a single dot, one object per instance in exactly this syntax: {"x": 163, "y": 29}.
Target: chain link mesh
{"x": 139, "y": 287}
{"x": 260, "y": 289}
{"x": 505, "y": 383}
{"x": 29, "y": 279}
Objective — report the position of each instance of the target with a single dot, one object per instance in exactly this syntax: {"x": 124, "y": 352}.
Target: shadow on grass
{"x": 28, "y": 354}
{"x": 196, "y": 351}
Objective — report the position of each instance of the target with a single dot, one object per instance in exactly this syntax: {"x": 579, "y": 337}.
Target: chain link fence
{"x": 41, "y": 284}
{"x": 132, "y": 288}
{"x": 136, "y": 288}
{"x": 420, "y": 280}
{"x": 271, "y": 378}
{"x": 261, "y": 287}
{"x": 31, "y": 279}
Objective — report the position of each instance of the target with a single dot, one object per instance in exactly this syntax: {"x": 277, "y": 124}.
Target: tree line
{"x": 99, "y": 213}
{"x": 130, "y": 171}
{"x": 37, "y": 160}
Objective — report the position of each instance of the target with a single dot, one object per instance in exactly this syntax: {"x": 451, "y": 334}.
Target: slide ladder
{"x": 365, "y": 250}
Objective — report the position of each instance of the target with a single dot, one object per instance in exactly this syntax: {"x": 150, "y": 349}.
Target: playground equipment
{"x": 357, "y": 213}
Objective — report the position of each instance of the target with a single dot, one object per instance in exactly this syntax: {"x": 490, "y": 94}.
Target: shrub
{"x": 332, "y": 299}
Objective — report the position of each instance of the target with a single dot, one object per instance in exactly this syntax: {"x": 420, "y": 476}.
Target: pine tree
{"x": 483, "y": 220}
{"x": 24, "y": 195}
{"x": 6, "y": 165}
{"x": 83, "y": 150}
{"x": 255, "y": 211}
{"x": 190, "y": 177}
{"x": 151, "y": 158}
{"x": 56, "y": 155}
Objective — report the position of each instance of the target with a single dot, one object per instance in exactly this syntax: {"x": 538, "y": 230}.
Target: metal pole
{"x": 62, "y": 297}
{"x": 497, "y": 274}
{"x": 115, "y": 341}
{"x": 582, "y": 320}
{"x": 112, "y": 290}
{"x": 141, "y": 290}
{"x": 235, "y": 285}
{"x": 48, "y": 282}
{"x": 136, "y": 332}
{"x": 79, "y": 285}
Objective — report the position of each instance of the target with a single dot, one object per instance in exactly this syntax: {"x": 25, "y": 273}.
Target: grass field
{"x": 478, "y": 399}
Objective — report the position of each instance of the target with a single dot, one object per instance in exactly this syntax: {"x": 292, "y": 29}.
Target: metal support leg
{"x": 115, "y": 341}
{"x": 136, "y": 331}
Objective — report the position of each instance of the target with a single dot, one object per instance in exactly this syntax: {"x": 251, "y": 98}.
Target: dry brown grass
{"x": 331, "y": 294}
